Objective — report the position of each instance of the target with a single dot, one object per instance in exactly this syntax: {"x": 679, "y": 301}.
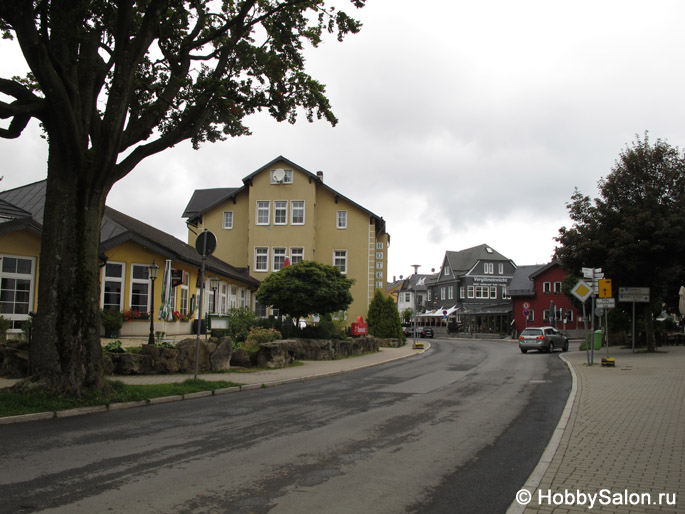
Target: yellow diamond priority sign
{"x": 582, "y": 290}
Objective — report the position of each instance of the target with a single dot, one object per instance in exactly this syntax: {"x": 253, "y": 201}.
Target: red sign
{"x": 359, "y": 328}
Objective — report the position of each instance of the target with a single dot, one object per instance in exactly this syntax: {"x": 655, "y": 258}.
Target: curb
{"x": 22, "y": 418}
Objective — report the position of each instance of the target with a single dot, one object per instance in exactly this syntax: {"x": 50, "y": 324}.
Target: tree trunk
{"x": 65, "y": 353}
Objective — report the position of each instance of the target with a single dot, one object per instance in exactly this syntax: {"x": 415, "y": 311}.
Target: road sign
{"x": 205, "y": 243}
{"x": 606, "y": 303}
{"x": 633, "y": 294}
{"x": 582, "y": 290}
{"x": 605, "y": 288}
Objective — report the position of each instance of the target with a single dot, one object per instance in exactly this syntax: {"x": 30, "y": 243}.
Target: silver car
{"x": 543, "y": 339}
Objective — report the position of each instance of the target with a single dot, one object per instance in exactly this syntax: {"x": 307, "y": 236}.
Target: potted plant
{"x": 112, "y": 321}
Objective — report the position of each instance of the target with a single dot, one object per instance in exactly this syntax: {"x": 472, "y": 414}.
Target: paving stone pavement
{"x": 621, "y": 437}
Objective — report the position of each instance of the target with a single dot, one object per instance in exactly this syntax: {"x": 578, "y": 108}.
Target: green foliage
{"x": 635, "y": 230}
{"x": 114, "y": 347}
{"x": 407, "y": 315}
{"x": 111, "y": 319}
{"x": 5, "y": 324}
{"x": 13, "y": 403}
{"x": 220, "y": 332}
{"x": 306, "y": 288}
{"x": 240, "y": 322}
{"x": 384, "y": 318}
{"x": 260, "y": 335}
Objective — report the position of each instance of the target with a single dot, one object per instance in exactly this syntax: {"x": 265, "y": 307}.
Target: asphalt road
{"x": 456, "y": 429}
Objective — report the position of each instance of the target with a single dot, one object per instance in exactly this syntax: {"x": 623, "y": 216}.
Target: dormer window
{"x": 281, "y": 176}
{"x": 446, "y": 271}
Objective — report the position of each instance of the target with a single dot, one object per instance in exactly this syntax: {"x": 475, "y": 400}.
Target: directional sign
{"x": 633, "y": 294}
{"x": 606, "y": 303}
{"x": 582, "y": 290}
{"x": 605, "y": 288}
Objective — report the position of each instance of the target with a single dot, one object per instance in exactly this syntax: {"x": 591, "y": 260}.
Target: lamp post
{"x": 152, "y": 270}
{"x": 416, "y": 269}
{"x": 214, "y": 284}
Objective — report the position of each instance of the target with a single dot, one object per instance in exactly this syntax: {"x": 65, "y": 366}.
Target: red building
{"x": 538, "y": 299}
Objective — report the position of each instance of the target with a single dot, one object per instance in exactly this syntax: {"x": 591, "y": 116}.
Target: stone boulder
{"x": 14, "y": 360}
{"x": 131, "y": 363}
{"x": 240, "y": 359}
{"x": 164, "y": 360}
{"x": 186, "y": 356}
{"x": 220, "y": 358}
{"x": 274, "y": 355}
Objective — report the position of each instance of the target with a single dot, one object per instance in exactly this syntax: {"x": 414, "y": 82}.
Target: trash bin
{"x": 598, "y": 339}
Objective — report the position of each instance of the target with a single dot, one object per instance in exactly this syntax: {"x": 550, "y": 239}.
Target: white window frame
{"x": 185, "y": 303}
{"x": 280, "y": 211}
{"x": 279, "y": 255}
{"x": 557, "y": 287}
{"x": 295, "y": 207}
{"x": 261, "y": 253}
{"x": 228, "y": 220}
{"x": 471, "y": 292}
{"x": 31, "y": 278}
{"x": 462, "y": 292}
{"x": 341, "y": 220}
{"x": 340, "y": 260}
{"x": 546, "y": 287}
{"x": 287, "y": 179}
{"x": 104, "y": 278}
{"x": 263, "y": 212}
{"x": 296, "y": 255}
{"x": 500, "y": 268}
{"x": 505, "y": 293}
{"x": 140, "y": 281}
{"x": 488, "y": 268}
{"x": 450, "y": 293}
{"x": 531, "y": 315}
{"x": 493, "y": 292}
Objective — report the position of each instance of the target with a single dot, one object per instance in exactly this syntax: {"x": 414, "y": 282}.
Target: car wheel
{"x": 523, "y": 350}
{"x": 551, "y": 348}
{"x": 566, "y": 346}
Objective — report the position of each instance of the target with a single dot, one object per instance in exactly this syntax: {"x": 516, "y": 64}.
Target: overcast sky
{"x": 461, "y": 122}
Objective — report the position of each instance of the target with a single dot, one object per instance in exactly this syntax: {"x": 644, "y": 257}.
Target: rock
{"x": 274, "y": 355}
{"x": 186, "y": 356}
{"x": 220, "y": 358}
{"x": 131, "y": 363}
{"x": 14, "y": 360}
{"x": 240, "y": 359}
{"x": 164, "y": 360}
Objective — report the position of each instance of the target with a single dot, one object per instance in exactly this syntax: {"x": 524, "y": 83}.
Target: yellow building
{"x": 128, "y": 247}
{"x": 284, "y": 212}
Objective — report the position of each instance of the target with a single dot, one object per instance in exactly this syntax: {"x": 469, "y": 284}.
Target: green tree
{"x": 306, "y": 288}
{"x": 635, "y": 230}
{"x": 383, "y": 317}
{"x": 115, "y": 82}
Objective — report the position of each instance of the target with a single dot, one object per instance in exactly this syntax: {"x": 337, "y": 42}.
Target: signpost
{"x": 582, "y": 290}
{"x": 205, "y": 245}
{"x": 633, "y": 295}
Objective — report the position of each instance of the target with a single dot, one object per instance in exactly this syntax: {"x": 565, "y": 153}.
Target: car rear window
{"x": 532, "y": 332}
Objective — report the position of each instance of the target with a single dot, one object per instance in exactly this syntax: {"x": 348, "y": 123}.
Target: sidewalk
{"x": 622, "y": 435}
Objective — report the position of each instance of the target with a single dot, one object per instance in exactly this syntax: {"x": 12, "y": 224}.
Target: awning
{"x": 439, "y": 313}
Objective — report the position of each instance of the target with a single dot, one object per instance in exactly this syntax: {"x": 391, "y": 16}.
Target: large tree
{"x": 113, "y": 82}
{"x": 305, "y": 288}
{"x": 635, "y": 231}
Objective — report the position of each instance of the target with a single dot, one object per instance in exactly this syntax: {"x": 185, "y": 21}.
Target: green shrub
{"x": 114, "y": 347}
{"x": 220, "y": 332}
{"x": 240, "y": 322}
{"x": 5, "y": 324}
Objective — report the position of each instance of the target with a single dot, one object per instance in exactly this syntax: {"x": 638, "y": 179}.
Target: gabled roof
{"x": 203, "y": 200}
{"x": 463, "y": 261}
{"x": 118, "y": 228}
{"x": 522, "y": 283}
{"x": 29, "y": 198}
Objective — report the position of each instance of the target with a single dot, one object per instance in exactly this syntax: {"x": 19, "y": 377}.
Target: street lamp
{"x": 214, "y": 284}
{"x": 416, "y": 269}
{"x": 152, "y": 271}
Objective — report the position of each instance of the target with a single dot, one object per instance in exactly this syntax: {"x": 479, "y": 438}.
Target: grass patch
{"x": 14, "y": 403}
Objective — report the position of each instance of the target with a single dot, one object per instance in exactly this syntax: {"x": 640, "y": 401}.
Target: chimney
{"x": 320, "y": 175}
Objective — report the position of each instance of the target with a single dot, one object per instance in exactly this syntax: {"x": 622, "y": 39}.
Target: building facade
{"x": 285, "y": 214}
{"x": 538, "y": 299}
{"x": 470, "y": 292}
{"x": 128, "y": 247}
